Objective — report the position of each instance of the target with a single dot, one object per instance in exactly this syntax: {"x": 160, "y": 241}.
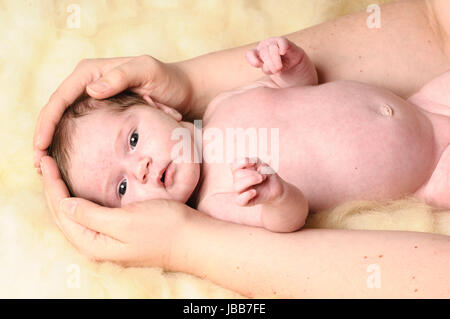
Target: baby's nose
{"x": 143, "y": 169}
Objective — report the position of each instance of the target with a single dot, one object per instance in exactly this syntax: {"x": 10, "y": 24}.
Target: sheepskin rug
{"x": 41, "y": 43}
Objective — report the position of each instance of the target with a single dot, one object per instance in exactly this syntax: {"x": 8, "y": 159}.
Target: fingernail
{"x": 42, "y": 166}
{"x": 98, "y": 86}
{"x": 39, "y": 142}
{"x": 68, "y": 206}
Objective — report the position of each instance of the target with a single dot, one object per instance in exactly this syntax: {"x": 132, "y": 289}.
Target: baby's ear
{"x": 166, "y": 109}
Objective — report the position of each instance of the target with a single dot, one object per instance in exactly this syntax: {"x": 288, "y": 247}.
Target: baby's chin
{"x": 186, "y": 180}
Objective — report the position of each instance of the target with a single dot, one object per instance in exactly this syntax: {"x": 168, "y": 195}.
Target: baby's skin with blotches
{"x": 336, "y": 142}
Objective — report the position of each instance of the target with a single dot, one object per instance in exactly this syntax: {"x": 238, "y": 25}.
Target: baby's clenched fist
{"x": 274, "y": 55}
{"x": 255, "y": 182}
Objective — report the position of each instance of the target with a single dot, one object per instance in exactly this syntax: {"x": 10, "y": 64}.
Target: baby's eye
{"x": 123, "y": 188}
{"x": 134, "y": 139}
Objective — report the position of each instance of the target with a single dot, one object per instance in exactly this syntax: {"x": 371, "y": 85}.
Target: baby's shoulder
{"x": 236, "y": 99}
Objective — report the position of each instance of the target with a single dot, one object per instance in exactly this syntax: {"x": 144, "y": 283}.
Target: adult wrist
{"x": 184, "y": 74}
{"x": 179, "y": 237}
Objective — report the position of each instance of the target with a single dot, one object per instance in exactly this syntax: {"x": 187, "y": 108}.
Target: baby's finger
{"x": 266, "y": 169}
{"x": 253, "y": 58}
{"x": 244, "y": 198}
{"x": 246, "y": 178}
{"x": 283, "y": 45}
{"x": 241, "y": 163}
{"x": 264, "y": 55}
{"x": 275, "y": 59}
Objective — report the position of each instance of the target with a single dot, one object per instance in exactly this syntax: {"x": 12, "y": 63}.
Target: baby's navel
{"x": 386, "y": 110}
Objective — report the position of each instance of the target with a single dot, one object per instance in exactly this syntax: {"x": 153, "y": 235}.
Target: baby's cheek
{"x": 185, "y": 182}
{"x": 86, "y": 183}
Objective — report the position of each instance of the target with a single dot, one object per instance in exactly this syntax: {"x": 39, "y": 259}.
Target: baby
{"x": 331, "y": 143}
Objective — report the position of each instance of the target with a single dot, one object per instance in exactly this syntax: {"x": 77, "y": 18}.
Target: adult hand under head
{"x": 102, "y": 78}
{"x": 141, "y": 234}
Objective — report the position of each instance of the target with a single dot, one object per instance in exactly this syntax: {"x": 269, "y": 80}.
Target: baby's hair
{"x": 62, "y": 139}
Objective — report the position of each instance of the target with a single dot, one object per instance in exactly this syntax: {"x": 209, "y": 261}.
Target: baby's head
{"x": 118, "y": 150}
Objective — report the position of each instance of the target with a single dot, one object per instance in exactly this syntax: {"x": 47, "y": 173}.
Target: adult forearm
{"x": 314, "y": 262}
{"x": 392, "y": 56}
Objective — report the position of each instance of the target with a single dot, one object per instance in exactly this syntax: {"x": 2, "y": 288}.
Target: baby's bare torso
{"x": 338, "y": 141}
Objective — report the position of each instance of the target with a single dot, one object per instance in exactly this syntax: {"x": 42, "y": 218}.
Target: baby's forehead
{"x": 92, "y": 151}
{"x": 100, "y": 119}
{"x": 95, "y": 132}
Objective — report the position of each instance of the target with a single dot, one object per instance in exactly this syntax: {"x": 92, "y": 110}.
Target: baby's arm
{"x": 260, "y": 198}
{"x": 285, "y": 63}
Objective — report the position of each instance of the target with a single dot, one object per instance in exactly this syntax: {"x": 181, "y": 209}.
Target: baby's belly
{"x": 345, "y": 141}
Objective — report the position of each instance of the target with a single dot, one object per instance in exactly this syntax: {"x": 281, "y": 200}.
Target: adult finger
{"x": 72, "y": 87}
{"x": 54, "y": 187}
{"x": 134, "y": 73}
{"x": 38, "y": 155}
{"x": 113, "y": 222}
{"x": 89, "y": 242}
{"x": 49, "y": 116}
{"x": 96, "y": 218}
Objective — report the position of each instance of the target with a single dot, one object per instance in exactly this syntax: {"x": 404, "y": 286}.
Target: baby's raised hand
{"x": 255, "y": 182}
{"x": 274, "y": 55}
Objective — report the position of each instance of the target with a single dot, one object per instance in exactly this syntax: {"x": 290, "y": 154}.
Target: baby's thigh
{"x": 436, "y": 191}
{"x": 434, "y": 96}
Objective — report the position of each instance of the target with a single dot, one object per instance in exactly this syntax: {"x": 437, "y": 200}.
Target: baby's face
{"x": 120, "y": 158}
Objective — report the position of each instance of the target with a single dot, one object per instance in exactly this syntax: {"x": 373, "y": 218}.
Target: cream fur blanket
{"x": 41, "y": 44}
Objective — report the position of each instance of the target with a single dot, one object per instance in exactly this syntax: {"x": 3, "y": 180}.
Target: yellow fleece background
{"x": 39, "y": 49}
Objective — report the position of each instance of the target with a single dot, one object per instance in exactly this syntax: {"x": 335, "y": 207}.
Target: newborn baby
{"x": 331, "y": 143}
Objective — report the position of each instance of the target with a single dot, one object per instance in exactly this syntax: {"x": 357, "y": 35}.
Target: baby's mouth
{"x": 166, "y": 178}
{"x": 163, "y": 175}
